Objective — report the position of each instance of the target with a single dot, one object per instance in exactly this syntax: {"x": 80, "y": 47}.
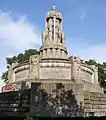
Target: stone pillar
{"x": 53, "y": 52}
{"x": 73, "y": 68}
{"x": 93, "y": 78}
{"x": 44, "y": 53}
{"x": 48, "y": 53}
{"x": 41, "y": 54}
{"x": 59, "y": 52}
{"x": 65, "y": 55}
{"x": 96, "y": 75}
{"x": 11, "y": 74}
{"x": 62, "y": 53}
{"x": 34, "y": 67}
{"x": 56, "y": 53}
{"x": 54, "y": 20}
{"x": 76, "y": 70}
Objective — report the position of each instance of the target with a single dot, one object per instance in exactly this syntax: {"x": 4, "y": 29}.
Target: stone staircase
{"x": 94, "y": 104}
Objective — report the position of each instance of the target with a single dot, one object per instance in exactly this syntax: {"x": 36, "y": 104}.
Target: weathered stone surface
{"x": 95, "y": 103}
{"x": 22, "y": 75}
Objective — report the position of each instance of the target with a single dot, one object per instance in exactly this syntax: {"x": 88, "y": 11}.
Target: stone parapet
{"x": 92, "y": 87}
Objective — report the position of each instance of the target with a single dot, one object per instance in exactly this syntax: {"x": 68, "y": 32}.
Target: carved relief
{"x": 34, "y": 60}
{"x": 78, "y": 72}
{"x": 53, "y": 37}
{"x": 50, "y": 33}
{"x": 53, "y": 24}
{"x": 21, "y": 75}
{"x": 55, "y": 73}
{"x": 44, "y": 37}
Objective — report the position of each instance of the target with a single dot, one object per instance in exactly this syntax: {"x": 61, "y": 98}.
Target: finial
{"x": 53, "y": 8}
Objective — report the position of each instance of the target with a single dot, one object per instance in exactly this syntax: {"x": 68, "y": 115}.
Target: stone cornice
{"x": 21, "y": 68}
{"x": 22, "y": 64}
{"x": 65, "y": 65}
{"x": 87, "y": 68}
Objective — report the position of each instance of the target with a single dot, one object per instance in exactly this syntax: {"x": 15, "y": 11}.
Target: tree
{"x": 102, "y": 75}
{"x": 20, "y": 58}
{"x": 4, "y": 76}
{"x": 30, "y": 52}
{"x": 104, "y": 64}
{"x": 11, "y": 60}
{"x": 91, "y": 62}
{"x": 101, "y": 71}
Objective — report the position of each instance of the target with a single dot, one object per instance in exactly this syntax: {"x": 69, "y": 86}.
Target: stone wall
{"x": 82, "y": 72}
{"x": 20, "y": 72}
{"x": 86, "y": 74}
{"x": 54, "y": 100}
{"x": 21, "y": 75}
{"x": 92, "y": 87}
{"x": 55, "y": 71}
{"x": 62, "y": 70}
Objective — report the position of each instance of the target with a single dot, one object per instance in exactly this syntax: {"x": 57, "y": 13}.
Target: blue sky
{"x": 84, "y": 25}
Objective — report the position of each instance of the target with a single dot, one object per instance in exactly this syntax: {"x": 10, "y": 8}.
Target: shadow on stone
{"x": 59, "y": 103}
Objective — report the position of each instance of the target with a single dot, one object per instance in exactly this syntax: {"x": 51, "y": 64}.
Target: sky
{"x": 22, "y": 22}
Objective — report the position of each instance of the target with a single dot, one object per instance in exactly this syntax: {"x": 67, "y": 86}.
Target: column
{"x": 53, "y": 52}
{"x": 44, "y": 53}
{"x": 54, "y": 20}
{"x": 41, "y": 54}
{"x": 48, "y": 53}
{"x": 62, "y": 53}
{"x": 58, "y": 53}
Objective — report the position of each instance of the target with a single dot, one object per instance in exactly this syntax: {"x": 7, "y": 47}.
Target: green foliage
{"x": 101, "y": 72}
{"x": 30, "y": 52}
{"x": 20, "y": 58}
{"x": 29, "y": 118}
{"x": 91, "y": 62}
{"x": 4, "y": 76}
{"x": 104, "y": 64}
{"x": 102, "y": 75}
{"x": 11, "y": 60}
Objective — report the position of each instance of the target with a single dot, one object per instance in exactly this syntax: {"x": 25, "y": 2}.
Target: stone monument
{"x": 52, "y": 67}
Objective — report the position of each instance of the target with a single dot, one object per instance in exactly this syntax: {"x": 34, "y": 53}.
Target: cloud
{"x": 17, "y": 32}
{"x": 83, "y": 14}
{"x": 16, "y": 35}
{"x": 81, "y": 48}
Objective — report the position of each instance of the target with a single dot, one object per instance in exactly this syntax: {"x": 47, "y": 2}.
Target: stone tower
{"x": 53, "y": 37}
